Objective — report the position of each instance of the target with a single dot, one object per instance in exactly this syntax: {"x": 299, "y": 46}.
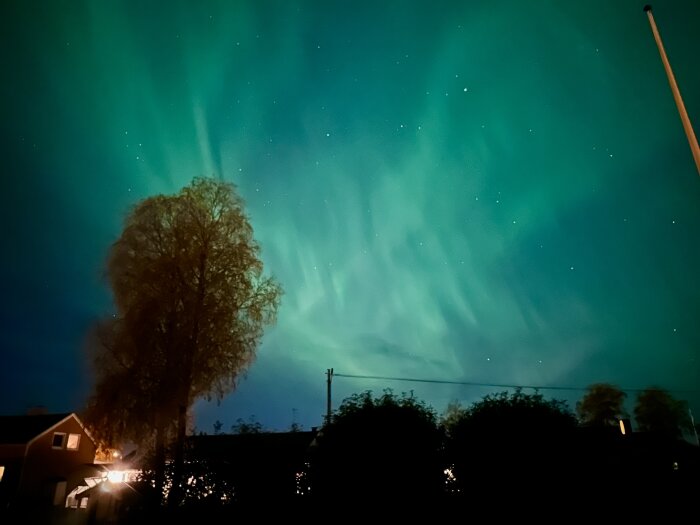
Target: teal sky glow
{"x": 489, "y": 191}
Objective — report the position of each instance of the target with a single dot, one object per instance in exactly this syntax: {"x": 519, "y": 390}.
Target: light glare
{"x": 116, "y": 476}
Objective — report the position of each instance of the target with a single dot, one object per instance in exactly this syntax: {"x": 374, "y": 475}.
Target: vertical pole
{"x": 695, "y": 430}
{"x": 329, "y": 378}
{"x": 687, "y": 126}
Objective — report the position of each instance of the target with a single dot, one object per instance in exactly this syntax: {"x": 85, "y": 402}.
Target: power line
{"x": 497, "y": 385}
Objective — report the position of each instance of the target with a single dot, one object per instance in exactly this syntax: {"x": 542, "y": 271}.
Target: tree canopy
{"x": 506, "y": 436}
{"x": 601, "y": 406}
{"x": 191, "y": 304}
{"x": 658, "y": 412}
{"x": 379, "y": 449}
{"x": 252, "y": 426}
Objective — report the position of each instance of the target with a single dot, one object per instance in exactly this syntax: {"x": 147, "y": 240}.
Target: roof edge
{"x": 52, "y": 427}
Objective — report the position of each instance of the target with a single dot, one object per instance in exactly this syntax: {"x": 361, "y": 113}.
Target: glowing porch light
{"x": 116, "y": 476}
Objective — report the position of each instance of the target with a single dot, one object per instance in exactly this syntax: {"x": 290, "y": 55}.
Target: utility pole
{"x": 695, "y": 430}
{"x": 685, "y": 119}
{"x": 329, "y": 378}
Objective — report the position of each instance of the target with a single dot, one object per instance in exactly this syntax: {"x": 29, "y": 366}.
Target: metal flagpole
{"x": 687, "y": 126}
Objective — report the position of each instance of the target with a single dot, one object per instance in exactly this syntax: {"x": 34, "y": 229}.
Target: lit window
{"x": 73, "y": 441}
{"x": 2, "y": 472}
{"x": 83, "y": 503}
{"x": 59, "y": 440}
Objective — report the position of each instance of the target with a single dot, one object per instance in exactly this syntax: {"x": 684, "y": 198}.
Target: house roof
{"x": 20, "y": 430}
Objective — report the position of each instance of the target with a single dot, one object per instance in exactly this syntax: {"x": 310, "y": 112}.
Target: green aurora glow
{"x": 490, "y": 191}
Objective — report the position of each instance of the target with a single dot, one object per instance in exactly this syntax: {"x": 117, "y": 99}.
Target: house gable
{"x": 57, "y": 455}
{"x": 60, "y": 427}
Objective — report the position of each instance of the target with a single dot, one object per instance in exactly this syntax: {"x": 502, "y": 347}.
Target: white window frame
{"x": 63, "y": 441}
{"x": 77, "y": 443}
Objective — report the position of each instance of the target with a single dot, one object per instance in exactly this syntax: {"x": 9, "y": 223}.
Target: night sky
{"x": 486, "y": 191}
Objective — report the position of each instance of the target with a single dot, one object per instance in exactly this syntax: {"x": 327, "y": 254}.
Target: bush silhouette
{"x": 506, "y": 437}
{"x": 379, "y": 450}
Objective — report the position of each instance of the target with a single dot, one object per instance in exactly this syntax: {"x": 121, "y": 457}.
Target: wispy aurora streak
{"x": 496, "y": 192}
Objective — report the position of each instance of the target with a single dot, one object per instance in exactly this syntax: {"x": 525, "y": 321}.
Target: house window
{"x": 2, "y": 472}
{"x": 73, "y": 441}
{"x": 59, "y": 440}
{"x": 83, "y": 503}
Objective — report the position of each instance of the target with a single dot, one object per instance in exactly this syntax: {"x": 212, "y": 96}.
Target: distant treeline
{"x": 394, "y": 452}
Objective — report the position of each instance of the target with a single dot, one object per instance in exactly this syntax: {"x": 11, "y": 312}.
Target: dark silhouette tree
{"x": 452, "y": 415}
{"x": 252, "y": 426}
{"x": 507, "y": 437}
{"x": 126, "y": 405}
{"x": 601, "y": 406}
{"x": 658, "y": 412}
{"x": 191, "y": 305}
{"x": 378, "y": 451}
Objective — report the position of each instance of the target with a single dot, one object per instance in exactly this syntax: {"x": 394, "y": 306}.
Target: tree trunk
{"x": 159, "y": 461}
{"x": 176, "y": 492}
{"x": 175, "y": 495}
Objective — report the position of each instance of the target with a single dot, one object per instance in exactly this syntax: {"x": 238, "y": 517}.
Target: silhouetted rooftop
{"x": 19, "y": 430}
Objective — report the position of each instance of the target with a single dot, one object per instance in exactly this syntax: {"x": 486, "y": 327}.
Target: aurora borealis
{"x": 486, "y": 191}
